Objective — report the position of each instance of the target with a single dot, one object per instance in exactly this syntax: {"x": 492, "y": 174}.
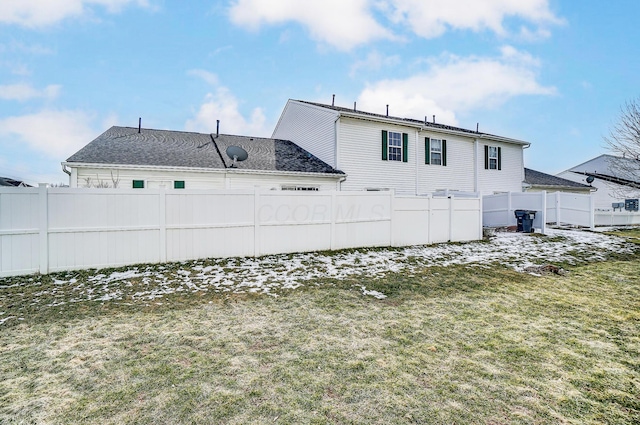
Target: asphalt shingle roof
{"x": 407, "y": 120}
{"x": 125, "y": 146}
{"x": 538, "y": 178}
{"x": 9, "y": 182}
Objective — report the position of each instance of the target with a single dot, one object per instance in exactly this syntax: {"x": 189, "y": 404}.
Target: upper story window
{"x": 492, "y": 157}
{"x": 435, "y": 151}
{"x": 395, "y": 146}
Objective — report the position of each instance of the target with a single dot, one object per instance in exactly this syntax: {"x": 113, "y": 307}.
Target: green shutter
{"x": 178, "y": 184}
{"x": 486, "y": 157}
{"x": 444, "y": 153}
{"x": 138, "y": 184}
{"x": 405, "y": 147}
{"x": 427, "y": 150}
{"x": 499, "y": 158}
{"x": 385, "y": 145}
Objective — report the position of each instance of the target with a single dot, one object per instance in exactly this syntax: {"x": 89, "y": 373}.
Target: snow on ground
{"x": 268, "y": 275}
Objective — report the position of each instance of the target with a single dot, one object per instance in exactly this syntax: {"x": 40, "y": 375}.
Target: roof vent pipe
{"x": 477, "y": 127}
{"x": 425, "y": 120}
{"x": 217, "y": 128}
{"x": 354, "y": 106}
{"x": 139, "y": 125}
{"x": 434, "y": 119}
{"x": 387, "y": 110}
{"x": 333, "y": 100}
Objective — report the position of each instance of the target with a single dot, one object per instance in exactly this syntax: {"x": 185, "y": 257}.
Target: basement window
{"x": 138, "y": 184}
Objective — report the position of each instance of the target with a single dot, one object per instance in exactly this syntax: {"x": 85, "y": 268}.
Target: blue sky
{"x": 551, "y": 72}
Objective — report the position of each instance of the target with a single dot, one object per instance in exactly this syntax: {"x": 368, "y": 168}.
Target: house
{"x": 536, "y": 181}
{"x": 9, "y": 182}
{"x": 412, "y": 157}
{"x": 615, "y": 178}
{"x": 127, "y": 157}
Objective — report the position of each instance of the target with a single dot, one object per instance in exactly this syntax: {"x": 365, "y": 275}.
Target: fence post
{"x": 162, "y": 221}
{"x": 256, "y": 222}
{"x": 543, "y": 229}
{"x": 429, "y": 217}
{"x": 43, "y": 225}
{"x": 509, "y": 209}
{"x": 450, "y": 217}
{"x": 333, "y": 212}
{"x": 481, "y": 226}
{"x": 558, "y": 208}
{"x": 392, "y": 196}
{"x": 592, "y": 213}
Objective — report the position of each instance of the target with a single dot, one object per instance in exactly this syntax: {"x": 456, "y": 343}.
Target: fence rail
{"x": 52, "y": 229}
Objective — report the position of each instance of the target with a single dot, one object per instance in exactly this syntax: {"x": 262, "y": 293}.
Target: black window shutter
{"x": 385, "y": 146}
{"x": 405, "y": 147}
{"x": 499, "y": 158}
{"x": 427, "y": 150}
{"x": 486, "y": 157}
{"x": 444, "y": 153}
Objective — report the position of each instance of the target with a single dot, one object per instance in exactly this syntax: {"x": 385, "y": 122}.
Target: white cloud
{"x": 455, "y": 84}
{"x": 38, "y": 13}
{"x": 222, "y": 105}
{"x": 57, "y": 134}
{"x": 346, "y": 24}
{"x": 342, "y": 24}
{"x": 431, "y": 18}
{"x": 373, "y": 62}
{"x": 23, "y": 92}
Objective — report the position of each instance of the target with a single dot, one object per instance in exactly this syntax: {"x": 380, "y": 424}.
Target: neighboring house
{"x": 8, "y": 182}
{"x": 536, "y": 181}
{"x": 126, "y": 157}
{"x": 612, "y": 176}
{"x": 413, "y": 157}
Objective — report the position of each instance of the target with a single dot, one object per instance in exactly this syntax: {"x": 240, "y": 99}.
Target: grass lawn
{"x": 456, "y": 344}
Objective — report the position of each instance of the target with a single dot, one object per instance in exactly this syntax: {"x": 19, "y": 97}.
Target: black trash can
{"x": 524, "y": 219}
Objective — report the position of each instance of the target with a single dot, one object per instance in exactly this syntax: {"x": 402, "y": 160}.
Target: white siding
{"x": 606, "y": 194}
{"x": 509, "y": 178}
{"x": 200, "y": 180}
{"x": 457, "y": 175}
{"x": 310, "y": 127}
{"x": 360, "y": 157}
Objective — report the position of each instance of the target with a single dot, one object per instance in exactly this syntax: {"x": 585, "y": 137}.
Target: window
{"x": 395, "y": 146}
{"x": 138, "y": 184}
{"x": 492, "y": 157}
{"x": 435, "y": 151}
{"x": 178, "y": 184}
{"x": 306, "y": 188}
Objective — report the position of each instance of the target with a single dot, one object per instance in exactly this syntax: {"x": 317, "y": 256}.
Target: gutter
{"x": 202, "y": 170}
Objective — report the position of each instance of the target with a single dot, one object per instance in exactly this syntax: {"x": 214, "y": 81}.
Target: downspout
{"x": 417, "y": 167}
{"x": 64, "y": 169}
{"x": 527, "y": 146}
{"x": 335, "y": 147}
{"x": 475, "y": 165}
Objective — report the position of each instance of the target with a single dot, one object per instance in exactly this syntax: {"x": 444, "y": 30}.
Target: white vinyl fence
{"x": 51, "y": 229}
{"x": 616, "y": 218}
{"x": 498, "y": 210}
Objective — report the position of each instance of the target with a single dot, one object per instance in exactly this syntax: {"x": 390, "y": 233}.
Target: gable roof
{"x": 165, "y": 148}
{"x": 423, "y": 124}
{"x": 624, "y": 171}
{"x": 9, "y": 182}
{"x": 538, "y": 178}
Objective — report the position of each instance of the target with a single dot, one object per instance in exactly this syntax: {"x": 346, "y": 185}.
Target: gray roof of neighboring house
{"x": 423, "y": 123}
{"x": 612, "y": 168}
{"x": 9, "y": 182}
{"x": 537, "y": 178}
{"x": 164, "y": 148}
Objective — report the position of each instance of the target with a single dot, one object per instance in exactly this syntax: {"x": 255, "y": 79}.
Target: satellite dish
{"x": 590, "y": 179}
{"x": 237, "y": 154}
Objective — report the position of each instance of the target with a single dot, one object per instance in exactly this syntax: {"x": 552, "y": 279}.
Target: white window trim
{"x": 397, "y": 149}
